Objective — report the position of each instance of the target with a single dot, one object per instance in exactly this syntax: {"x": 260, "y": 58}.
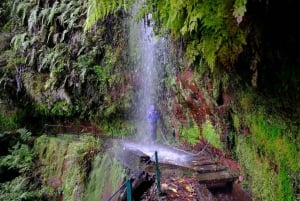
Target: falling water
{"x": 148, "y": 60}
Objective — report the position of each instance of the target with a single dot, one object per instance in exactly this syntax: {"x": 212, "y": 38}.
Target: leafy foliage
{"x": 66, "y": 164}
{"x": 99, "y": 9}
{"x": 104, "y": 165}
{"x": 266, "y": 183}
{"x": 191, "y": 135}
{"x": 5, "y": 5}
{"x": 18, "y": 189}
{"x": 269, "y": 155}
{"x": 212, "y": 135}
{"x": 21, "y": 158}
{"x": 207, "y": 26}
{"x": 61, "y": 62}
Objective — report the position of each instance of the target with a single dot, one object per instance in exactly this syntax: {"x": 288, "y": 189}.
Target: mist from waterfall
{"x": 148, "y": 60}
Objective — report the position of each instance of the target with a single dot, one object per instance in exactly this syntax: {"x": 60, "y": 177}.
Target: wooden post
{"x": 157, "y": 174}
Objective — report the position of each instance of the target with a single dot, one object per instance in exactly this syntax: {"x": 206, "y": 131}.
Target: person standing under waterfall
{"x": 153, "y": 115}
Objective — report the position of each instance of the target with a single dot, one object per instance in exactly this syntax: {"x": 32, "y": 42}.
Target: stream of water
{"x": 148, "y": 58}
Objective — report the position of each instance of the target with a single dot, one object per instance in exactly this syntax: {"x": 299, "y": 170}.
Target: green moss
{"x": 117, "y": 127}
{"x": 236, "y": 121}
{"x": 62, "y": 108}
{"x": 65, "y": 164}
{"x": 8, "y": 122}
{"x": 105, "y": 179}
{"x": 265, "y": 183}
{"x": 191, "y": 134}
{"x": 269, "y": 154}
{"x": 212, "y": 135}
{"x": 11, "y": 119}
{"x": 269, "y": 135}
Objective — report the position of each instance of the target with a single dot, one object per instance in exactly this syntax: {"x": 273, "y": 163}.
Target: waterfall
{"x": 148, "y": 60}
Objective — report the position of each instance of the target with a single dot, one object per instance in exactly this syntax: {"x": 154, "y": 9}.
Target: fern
{"x": 22, "y": 8}
{"x": 191, "y": 135}
{"x": 33, "y": 18}
{"x": 20, "y": 157}
{"x": 20, "y": 42}
{"x": 239, "y": 9}
{"x": 43, "y": 14}
{"x": 208, "y": 27}
{"x": 99, "y": 9}
{"x": 53, "y": 11}
{"x": 19, "y": 188}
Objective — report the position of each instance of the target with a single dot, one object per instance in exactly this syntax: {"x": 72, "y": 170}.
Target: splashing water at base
{"x": 165, "y": 154}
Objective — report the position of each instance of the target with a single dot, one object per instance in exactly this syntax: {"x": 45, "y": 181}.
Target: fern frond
{"x": 33, "y": 18}
{"x": 53, "y": 11}
{"x": 23, "y": 7}
{"x": 43, "y": 15}
{"x": 99, "y": 9}
{"x": 19, "y": 42}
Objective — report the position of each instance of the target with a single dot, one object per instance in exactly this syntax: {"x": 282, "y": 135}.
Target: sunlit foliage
{"x": 99, "y": 9}
{"x": 208, "y": 26}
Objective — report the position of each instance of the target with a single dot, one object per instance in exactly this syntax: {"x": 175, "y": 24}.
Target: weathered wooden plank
{"x": 217, "y": 177}
{"x": 202, "y": 162}
{"x": 209, "y": 168}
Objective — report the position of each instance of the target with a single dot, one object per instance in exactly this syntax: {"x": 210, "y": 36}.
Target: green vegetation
{"x": 191, "y": 135}
{"x": 117, "y": 128}
{"x": 55, "y": 64}
{"x": 99, "y": 9}
{"x": 101, "y": 187}
{"x": 54, "y": 166}
{"x": 220, "y": 37}
{"x": 63, "y": 70}
{"x": 17, "y": 189}
{"x": 266, "y": 181}
{"x": 20, "y": 156}
{"x": 66, "y": 164}
{"x": 212, "y": 135}
{"x": 269, "y": 156}
{"x": 20, "y": 160}
{"x": 8, "y": 122}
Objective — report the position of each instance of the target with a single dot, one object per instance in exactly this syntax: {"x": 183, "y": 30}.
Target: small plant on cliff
{"x": 20, "y": 156}
{"x": 191, "y": 135}
{"x": 212, "y": 135}
{"x": 20, "y": 159}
